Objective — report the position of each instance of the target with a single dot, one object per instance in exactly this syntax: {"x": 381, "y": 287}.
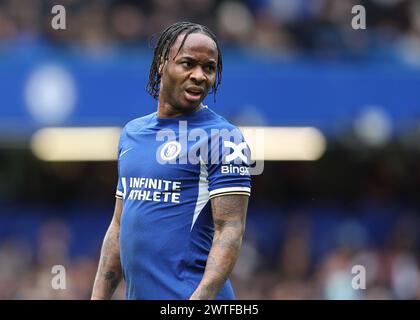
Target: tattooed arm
{"x": 109, "y": 272}
{"x": 229, "y": 214}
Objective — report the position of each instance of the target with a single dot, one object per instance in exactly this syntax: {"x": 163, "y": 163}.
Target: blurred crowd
{"x": 303, "y": 235}
{"x": 28, "y": 274}
{"x": 283, "y": 28}
{"x": 352, "y": 268}
{"x": 391, "y": 270}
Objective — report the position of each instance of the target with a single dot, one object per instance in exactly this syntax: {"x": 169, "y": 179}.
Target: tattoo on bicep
{"x": 229, "y": 211}
{"x": 230, "y": 206}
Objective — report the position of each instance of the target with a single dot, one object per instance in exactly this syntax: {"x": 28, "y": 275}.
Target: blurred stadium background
{"x": 353, "y": 200}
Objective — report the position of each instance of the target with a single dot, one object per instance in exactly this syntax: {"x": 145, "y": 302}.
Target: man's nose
{"x": 198, "y": 74}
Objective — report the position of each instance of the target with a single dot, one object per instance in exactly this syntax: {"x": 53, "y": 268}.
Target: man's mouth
{"x": 193, "y": 93}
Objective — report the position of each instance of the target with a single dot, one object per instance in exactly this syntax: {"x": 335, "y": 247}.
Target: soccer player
{"x": 183, "y": 184}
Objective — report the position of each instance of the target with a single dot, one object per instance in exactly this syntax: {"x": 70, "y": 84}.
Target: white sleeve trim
{"x": 203, "y": 193}
{"x": 119, "y": 194}
{"x": 241, "y": 190}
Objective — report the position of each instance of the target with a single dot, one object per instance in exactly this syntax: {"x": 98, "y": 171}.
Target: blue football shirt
{"x": 168, "y": 171}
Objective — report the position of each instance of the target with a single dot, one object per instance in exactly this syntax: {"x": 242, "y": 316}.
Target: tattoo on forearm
{"x": 109, "y": 271}
{"x": 208, "y": 291}
{"x": 113, "y": 280}
{"x": 229, "y": 214}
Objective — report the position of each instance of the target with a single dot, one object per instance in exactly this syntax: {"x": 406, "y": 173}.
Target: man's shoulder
{"x": 138, "y": 123}
{"x": 216, "y": 121}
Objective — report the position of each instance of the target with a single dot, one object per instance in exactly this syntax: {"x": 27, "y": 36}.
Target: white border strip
{"x": 230, "y": 189}
{"x": 203, "y": 193}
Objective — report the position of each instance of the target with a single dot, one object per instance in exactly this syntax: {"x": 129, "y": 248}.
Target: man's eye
{"x": 210, "y": 68}
{"x": 187, "y": 64}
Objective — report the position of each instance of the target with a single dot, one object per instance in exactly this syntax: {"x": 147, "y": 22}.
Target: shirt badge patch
{"x": 170, "y": 150}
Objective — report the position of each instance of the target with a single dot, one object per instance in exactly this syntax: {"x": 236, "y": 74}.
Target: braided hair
{"x": 165, "y": 43}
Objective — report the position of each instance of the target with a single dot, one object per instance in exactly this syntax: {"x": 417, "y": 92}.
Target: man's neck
{"x": 165, "y": 110}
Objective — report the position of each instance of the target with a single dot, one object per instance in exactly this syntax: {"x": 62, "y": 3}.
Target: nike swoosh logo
{"x": 125, "y": 151}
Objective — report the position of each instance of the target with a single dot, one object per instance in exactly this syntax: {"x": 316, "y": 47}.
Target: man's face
{"x": 186, "y": 78}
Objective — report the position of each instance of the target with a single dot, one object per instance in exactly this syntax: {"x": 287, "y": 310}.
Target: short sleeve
{"x": 228, "y": 168}
{"x": 120, "y": 188}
